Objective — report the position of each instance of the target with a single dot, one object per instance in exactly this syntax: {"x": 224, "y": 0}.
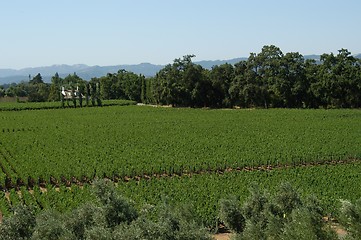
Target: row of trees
{"x": 38, "y": 91}
{"x": 267, "y": 79}
{"x": 120, "y": 85}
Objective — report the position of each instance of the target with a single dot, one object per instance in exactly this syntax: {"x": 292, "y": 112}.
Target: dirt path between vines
{"x": 341, "y": 233}
{"x": 222, "y": 236}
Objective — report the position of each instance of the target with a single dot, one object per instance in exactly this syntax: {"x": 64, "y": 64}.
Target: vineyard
{"x": 192, "y": 156}
{"x": 18, "y": 106}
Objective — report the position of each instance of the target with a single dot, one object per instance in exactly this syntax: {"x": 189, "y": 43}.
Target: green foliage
{"x": 84, "y": 217}
{"x": 284, "y": 216}
{"x": 183, "y": 83}
{"x": 54, "y": 91}
{"x": 267, "y": 79}
{"x": 303, "y": 226}
{"x": 138, "y": 230}
{"x": 133, "y": 141}
{"x": 38, "y": 79}
{"x": 231, "y": 214}
{"x": 287, "y": 199}
{"x": 2, "y": 91}
{"x": 19, "y": 106}
{"x": 350, "y": 216}
{"x": 254, "y": 208}
{"x": 98, "y": 233}
{"x": 121, "y": 85}
{"x": 98, "y": 222}
{"x": 171, "y": 223}
{"x": 18, "y": 226}
{"x": 117, "y": 209}
{"x": 51, "y": 225}
{"x": 140, "y": 142}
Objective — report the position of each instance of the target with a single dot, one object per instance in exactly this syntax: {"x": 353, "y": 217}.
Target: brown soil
{"x": 7, "y": 196}
{"x": 222, "y": 236}
{"x": 341, "y": 233}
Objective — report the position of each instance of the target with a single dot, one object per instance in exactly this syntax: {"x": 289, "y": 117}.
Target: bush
{"x": 20, "y": 225}
{"x": 302, "y": 227}
{"x": 50, "y": 225}
{"x": 350, "y": 218}
{"x": 171, "y": 223}
{"x": 98, "y": 233}
{"x": 86, "y": 216}
{"x": 117, "y": 209}
{"x": 231, "y": 214}
{"x": 283, "y": 216}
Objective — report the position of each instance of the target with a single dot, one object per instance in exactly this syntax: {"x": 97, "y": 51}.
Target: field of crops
{"x": 17, "y": 106}
{"x": 59, "y": 146}
{"x": 329, "y": 183}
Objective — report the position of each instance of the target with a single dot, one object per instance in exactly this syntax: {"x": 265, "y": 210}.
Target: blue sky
{"x": 110, "y": 32}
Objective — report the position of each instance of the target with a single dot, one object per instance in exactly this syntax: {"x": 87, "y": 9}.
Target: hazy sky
{"x": 112, "y": 32}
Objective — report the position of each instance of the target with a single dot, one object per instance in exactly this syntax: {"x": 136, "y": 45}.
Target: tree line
{"x": 267, "y": 79}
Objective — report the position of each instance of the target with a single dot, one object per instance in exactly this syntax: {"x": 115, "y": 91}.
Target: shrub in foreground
{"x": 282, "y": 216}
{"x": 350, "y": 218}
{"x": 113, "y": 217}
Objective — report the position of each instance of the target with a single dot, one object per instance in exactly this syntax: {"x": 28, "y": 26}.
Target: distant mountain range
{"x": 87, "y": 72}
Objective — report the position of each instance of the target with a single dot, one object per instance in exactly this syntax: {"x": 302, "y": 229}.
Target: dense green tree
{"x": 2, "y": 91}
{"x": 338, "y": 81}
{"x": 37, "y": 90}
{"x": 106, "y": 87}
{"x": 272, "y": 83}
{"x": 37, "y": 79}
{"x": 168, "y": 86}
{"x": 152, "y": 93}
{"x": 120, "y": 85}
{"x": 143, "y": 89}
{"x": 313, "y": 96}
{"x": 293, "y": 84}
{"x": 21, "y": 90}
{"x": 55, "y": 87}
{"x": 248, "y": 83}
{"x": 72, "y": 79}
{"x": 130, "y": 84}
{"x": 221, "y": 77}
{"x": 183, "y": 83}
{"x": 9, "y": 92}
